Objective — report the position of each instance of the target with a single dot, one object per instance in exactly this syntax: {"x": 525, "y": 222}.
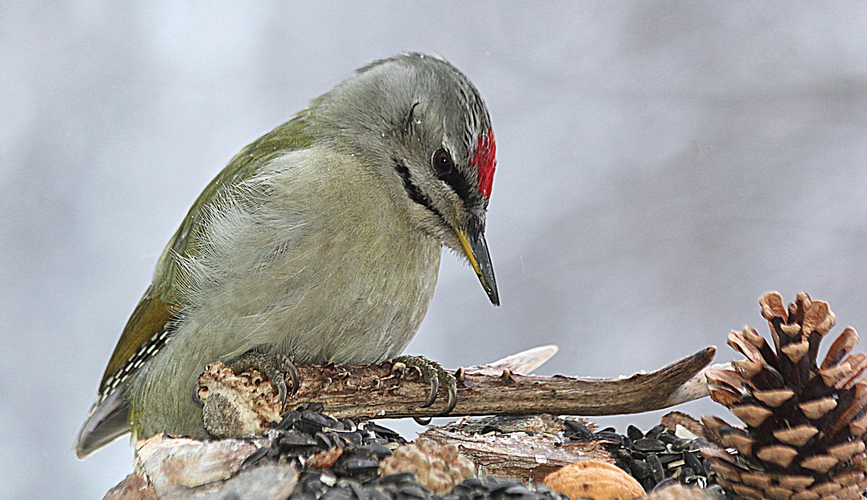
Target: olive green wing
{"x": 161, "y": 301}
{"x": 148, "y": 328}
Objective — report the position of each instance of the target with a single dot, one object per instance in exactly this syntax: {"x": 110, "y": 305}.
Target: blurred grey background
{"x": 661, "y": 165}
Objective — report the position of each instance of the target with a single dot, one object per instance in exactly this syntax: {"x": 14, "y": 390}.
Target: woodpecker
{"x": 320, "y": 241}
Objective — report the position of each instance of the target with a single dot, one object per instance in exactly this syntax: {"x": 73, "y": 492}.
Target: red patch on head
{"x": 485, "y": 162}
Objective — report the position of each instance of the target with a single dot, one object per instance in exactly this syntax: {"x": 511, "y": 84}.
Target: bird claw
{"x": 434, "y": 374}
{"x": 434, "y": 389}
{"x": 273, "y": 366}
{"x": 195, "y": 396}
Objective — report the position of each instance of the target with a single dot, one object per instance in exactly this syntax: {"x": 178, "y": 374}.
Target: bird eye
{"x": 442, "y": 162}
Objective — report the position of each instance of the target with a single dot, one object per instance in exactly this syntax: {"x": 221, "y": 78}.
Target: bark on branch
{"x": 377, "y": 391}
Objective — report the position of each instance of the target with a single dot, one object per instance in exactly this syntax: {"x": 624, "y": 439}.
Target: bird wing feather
{"x": 161, "y": 303}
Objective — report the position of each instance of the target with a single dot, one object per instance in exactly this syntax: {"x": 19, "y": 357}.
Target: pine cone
{"x": 805, "y": 424}
{"x": 438, "y": 467}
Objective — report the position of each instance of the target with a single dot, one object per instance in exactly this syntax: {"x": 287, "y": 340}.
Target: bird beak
{"x": 476, "y": 248}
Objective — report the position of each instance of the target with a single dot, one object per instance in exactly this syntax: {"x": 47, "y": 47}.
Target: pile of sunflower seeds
{"x": 656, "y": 458}
{"x": 489, "y": 488}
{"x": 306, "y": 433}
{"x": 403, "y": 486}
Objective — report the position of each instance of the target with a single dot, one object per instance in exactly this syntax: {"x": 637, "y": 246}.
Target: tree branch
{"x": 377, "y": 391}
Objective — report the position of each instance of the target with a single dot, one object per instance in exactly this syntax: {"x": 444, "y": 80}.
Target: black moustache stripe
{"x": 412, "y": 190}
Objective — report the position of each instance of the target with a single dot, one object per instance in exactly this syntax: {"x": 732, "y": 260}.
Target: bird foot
{"x": 274, "y": 366}
{"x": 435, "y": 375}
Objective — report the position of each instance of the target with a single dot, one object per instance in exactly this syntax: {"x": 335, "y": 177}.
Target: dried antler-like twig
{"x": 377, "y": 391}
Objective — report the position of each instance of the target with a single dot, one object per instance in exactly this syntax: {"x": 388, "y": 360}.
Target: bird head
{"x": 420, "y": 123}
